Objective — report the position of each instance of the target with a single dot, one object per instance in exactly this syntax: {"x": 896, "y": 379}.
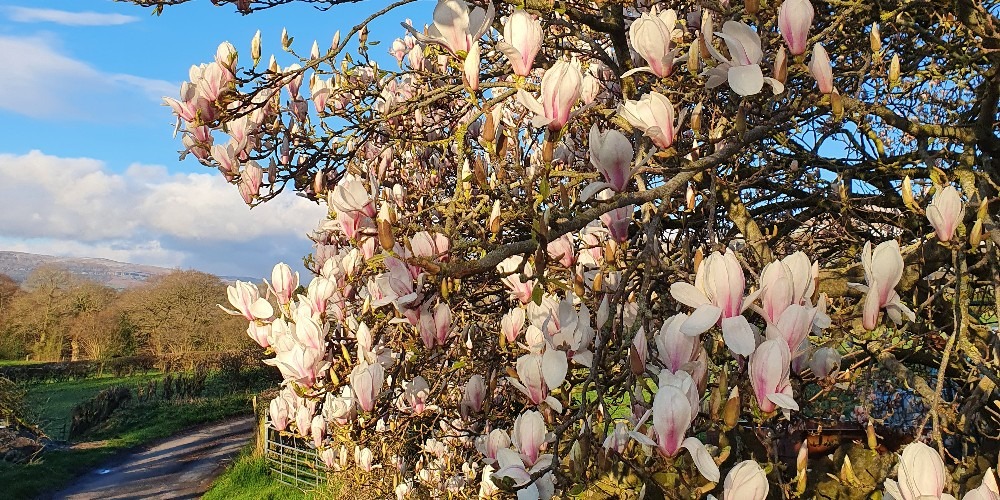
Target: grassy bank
{"x": 137, "y": 424}
{"x": 53, "y": 402}
{"x": 249, "y": 478}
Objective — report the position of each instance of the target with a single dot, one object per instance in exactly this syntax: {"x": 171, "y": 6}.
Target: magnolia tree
{"x": 608, "y": 249}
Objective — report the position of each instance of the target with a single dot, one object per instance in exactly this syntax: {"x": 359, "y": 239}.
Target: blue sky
{"x": 88, "y": 166}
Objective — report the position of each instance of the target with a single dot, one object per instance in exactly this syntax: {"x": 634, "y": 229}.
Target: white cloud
{"x": 42, "y": 82}
{"x": 67, "y": 18}
{"x": 145, "y": 215}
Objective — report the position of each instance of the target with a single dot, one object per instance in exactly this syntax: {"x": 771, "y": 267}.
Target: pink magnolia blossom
{"x": 717, "y": 296}
{"x": 304, "y": 418}
{"x": 945, "y": 212}
{"x": 793, "y": 327}
{"x": 561, "y": 249}
{"x": 318, "y": 430}
{"x": 414, "y": 397}
{"x": 611, "y": 153}
{"x": 883, "y": 269}
{"x": 769, "y": 369}
{"x": 653, "y": 114}
{"x": 540, "y": 373}
{"x": 529, "y": 436}
{"x": 561, "y": 88}
{"x": 825, "y": 362}
{"x": 430, "y": 245}
{"x": 988, "y": 490}
{"x": 920, "y": 475}
{"x": 511, "y": 465}
{"x": 363, "y": 458}
{"x": 638, "y": 355}
{"x": 746, "y": 481}
{"x": 366, "y": 382}
{"x": 522, "y": 38}
{"x": 455, "y": 27}
{"x": 474, "y": 393}
{"x": 398, "y": 50}
{"x": 742, "y": 71}
{"x": 651, "y": 37}
{"x": 351, "y": 195}
{"x": 617, "y": 222}
{"x": 260, "y": 334}
{"x": 283, "y": 282}
{"x": 278, "y": 412}
{"x": 819, "y": 67}
{"x": 791, "y": 280}
{"x": 508, "y": 270}
{"x": 471, "y": 67}
{"x": 512, "y": 323}
{"x": 488, "y": 445}
{"x": 298, "y": 363}
{"x": 795, "y": 17}
{"x": 248, "y": 303}
{"x": 674, "y": 349}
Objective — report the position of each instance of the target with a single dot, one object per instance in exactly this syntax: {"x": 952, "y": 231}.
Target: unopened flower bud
{"x": 802, "y": 460}
{"x": 836, "y": 104}
{"x": 781, "y": 66}
{"x": 906, "y": 190}
{"x": 336, "y": 41}
{"x": 689, "y": 198}
{"x": 875, "y": 40}
{"x": 286, "y": 41}
{"x": 696, "y": 117}
{"x": 731, "y": 412}
{"x": 494, "y": 220}
{"x": 699, "y": 256}
{"x": 255, "y": 48}
{"x": 751, "y": 6}
{"x": 870, "y": 434}
{"x": 319, "y": 183}
{"x": 385, "y": 237}
{"x": 693, "y": 60}
{"x": 894, "y": 70}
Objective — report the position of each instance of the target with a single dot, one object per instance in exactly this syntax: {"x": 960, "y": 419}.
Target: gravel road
{"x": 182, "y": 466}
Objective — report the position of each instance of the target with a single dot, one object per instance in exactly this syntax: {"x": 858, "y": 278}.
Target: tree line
{"x": 56, "y": 316}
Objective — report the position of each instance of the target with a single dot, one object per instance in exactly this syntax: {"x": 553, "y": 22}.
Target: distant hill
{"x": 119, "y": 275}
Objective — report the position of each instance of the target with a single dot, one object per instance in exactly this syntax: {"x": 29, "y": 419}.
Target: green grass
{"x": 18, "y": 362}
{"x": 132, "y": 426}
{"x": 248, "y": 478}
{"x": 53, "y": 402}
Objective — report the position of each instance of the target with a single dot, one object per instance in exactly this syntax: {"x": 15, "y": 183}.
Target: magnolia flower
{"x": 297, "y": 362}
{"x": 512, "y": 323}
{"x": 611, "y": 152}
{"x": 769, "y": 367}
{"x": 261, "y": 334}
{"x": 537, "y": 374}
{"x": 672, "y": 416}
{"x": 717, "y": 296}
{"x": 617, "y": 222}
{"x": 945, "y": 212}
{"x": 561, "y": 88}
{"x": 508, "y": 270}
{"x": 821, "y": 70}
{"x": 618, "y": 438}
{"x": 488, "y": 445}
{"x": 283, "y": 282}
{"x": 529, "y": 436}
{"x": 351, "y": 195}
{"x": 793, "y": 327}
{"x": 795, "y": 17}
{"x": 430, "y": 245}
{"x": 988, "y": 490}
{"x": 743, "y": 71}
{"x": 650, "y": 36}
{"x": 825, "y": 362}
{"x": 522, "y": 38}
{"x": 475, "y": 393}
{"x": 653, "y": 114}
{"x": 920, "y": 475}
{"x": 745, "y": 481}
{"x": 471, "y": 67}
{"x": 561, "y": 249}
{"x": 366, "y": 382}
{"x": 511, "y": 465}
{"x": 318, "y": 430}
{"x": 248, "y": 303}
{"x": 363, "y": 459}
{"x": 414, "y": 397}
{"x": 673, "y": 348}
{"x": 883, "y": 270}
{"x": 278, "y": 411}
{"x": 456, "y": 28}
{"x": 791, "y": 280}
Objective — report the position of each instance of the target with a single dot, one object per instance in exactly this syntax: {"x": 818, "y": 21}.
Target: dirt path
{"x": 182, "y": 466}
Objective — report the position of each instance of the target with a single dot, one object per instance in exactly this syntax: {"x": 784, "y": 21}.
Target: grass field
{"x": 53, "y": 402}
{"x": 132, "y": 426}
{"x": 248, "y": 478}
